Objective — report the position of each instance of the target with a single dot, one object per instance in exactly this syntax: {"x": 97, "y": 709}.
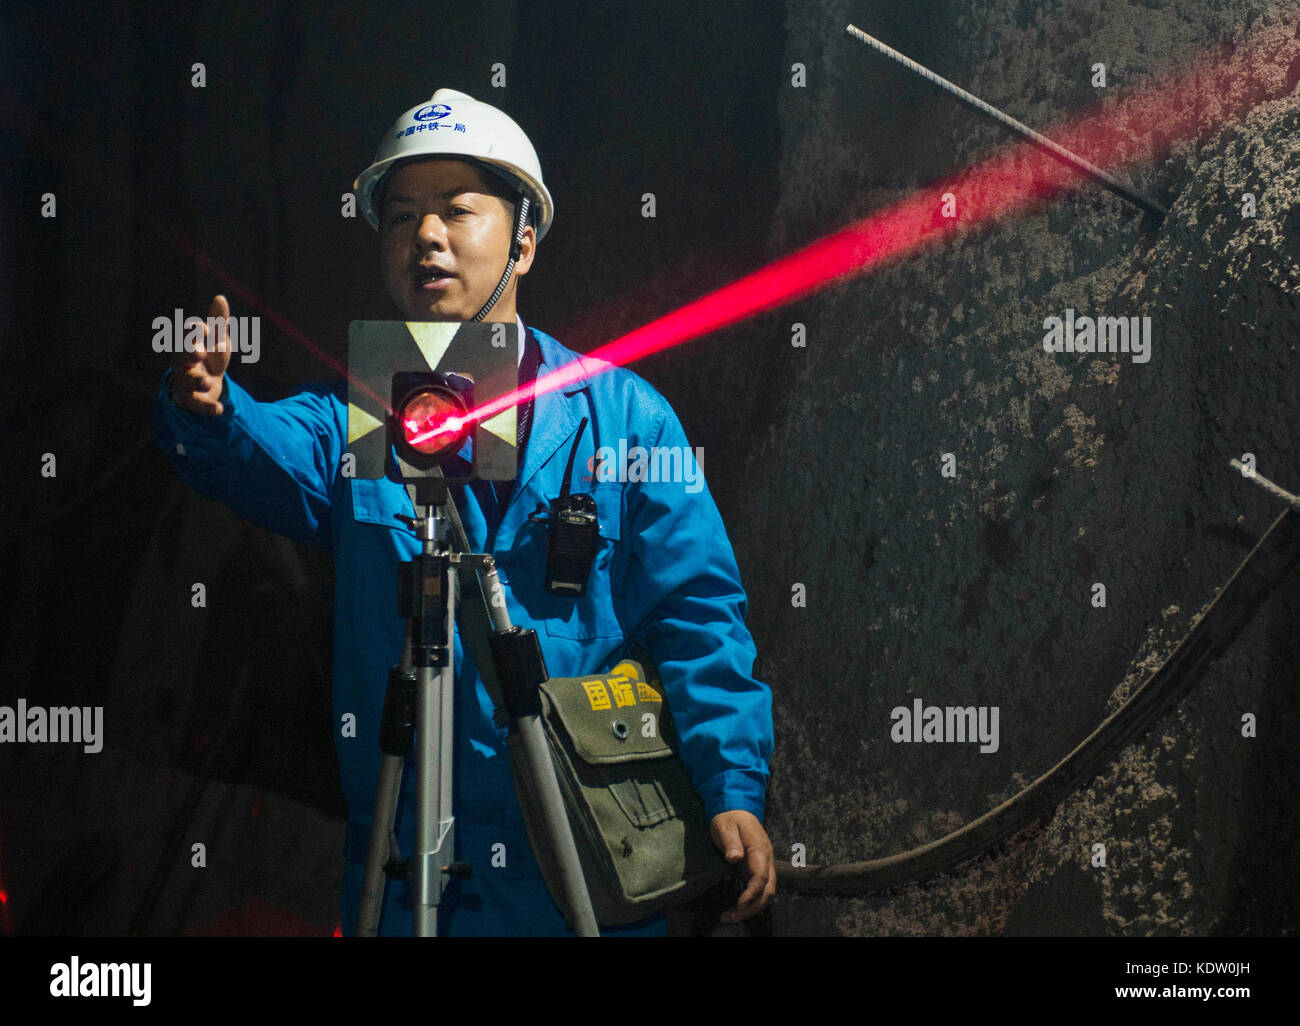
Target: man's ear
{"x": 527, "y": 249}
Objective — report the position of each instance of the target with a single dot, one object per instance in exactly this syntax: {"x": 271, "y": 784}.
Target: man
{"x": 456, "y": 194}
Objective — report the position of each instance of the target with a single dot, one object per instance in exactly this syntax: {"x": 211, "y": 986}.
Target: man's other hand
{"x": 740, "y": 836}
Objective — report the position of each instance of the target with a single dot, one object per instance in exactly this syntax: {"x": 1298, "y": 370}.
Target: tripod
{"x": 418, "y": 703}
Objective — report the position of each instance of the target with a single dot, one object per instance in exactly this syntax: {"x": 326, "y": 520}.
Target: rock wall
{"x": 1071, "y": 470}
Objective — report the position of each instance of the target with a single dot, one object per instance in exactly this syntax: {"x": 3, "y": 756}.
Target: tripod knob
{"x": 460, "y": 870}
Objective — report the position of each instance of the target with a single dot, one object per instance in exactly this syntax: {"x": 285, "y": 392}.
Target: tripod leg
{"x": 395, "y": 734}
{"x": 532, "y": 759}
{"x": 434, "y": 825}
{"x": 381, "y": 832}
{"x": 537, "y": 757}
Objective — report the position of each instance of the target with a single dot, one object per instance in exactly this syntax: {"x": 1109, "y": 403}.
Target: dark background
{"x": 824, "y": 460}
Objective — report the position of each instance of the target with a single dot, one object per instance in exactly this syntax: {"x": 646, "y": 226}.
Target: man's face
{"x": 444, "y": 240}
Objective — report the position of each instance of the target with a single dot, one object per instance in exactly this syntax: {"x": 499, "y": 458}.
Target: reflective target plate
{"x": 379, "y": 349}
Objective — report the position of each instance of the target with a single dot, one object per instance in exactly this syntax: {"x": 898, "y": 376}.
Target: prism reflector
{"x": 432, "y": 421}
{"x": 377, "y": 350}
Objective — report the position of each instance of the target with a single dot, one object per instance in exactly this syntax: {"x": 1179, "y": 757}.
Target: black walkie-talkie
{"x": 574, "y": 535}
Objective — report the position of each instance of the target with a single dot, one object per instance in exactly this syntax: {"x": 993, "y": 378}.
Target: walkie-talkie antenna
{"x": 568, "y": 469}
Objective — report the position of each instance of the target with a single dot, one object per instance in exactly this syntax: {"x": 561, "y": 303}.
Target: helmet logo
{"x": 432, "y": 112}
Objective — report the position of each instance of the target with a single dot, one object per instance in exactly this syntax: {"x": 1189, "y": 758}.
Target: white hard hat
{"x": 452, "y": 124}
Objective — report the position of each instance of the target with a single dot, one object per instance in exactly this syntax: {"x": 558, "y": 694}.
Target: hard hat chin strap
{"x": 521, "y": 222}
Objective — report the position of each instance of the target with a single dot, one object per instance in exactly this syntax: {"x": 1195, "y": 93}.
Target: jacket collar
{"x": 554, "y": 422}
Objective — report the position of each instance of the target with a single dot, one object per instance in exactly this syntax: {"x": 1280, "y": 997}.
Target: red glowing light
{"x": 431, "y": 423}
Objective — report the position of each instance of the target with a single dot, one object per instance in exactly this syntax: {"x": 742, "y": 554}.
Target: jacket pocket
{"x": 378, "y": 501}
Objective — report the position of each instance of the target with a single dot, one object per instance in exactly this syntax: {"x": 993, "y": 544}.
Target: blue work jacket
{"x": 665, "y": 578}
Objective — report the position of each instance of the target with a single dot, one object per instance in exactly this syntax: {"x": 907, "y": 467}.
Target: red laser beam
{"x": 274, "y": 316}
{"x": 448, "y": 428}
{"x": 1142, "y": 125}
{"x": 12, "y": 114}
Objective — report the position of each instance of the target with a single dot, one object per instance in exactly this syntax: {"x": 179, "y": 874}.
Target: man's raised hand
{"x": 198, "y": 378}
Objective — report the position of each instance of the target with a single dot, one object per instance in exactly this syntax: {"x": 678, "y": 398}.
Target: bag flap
{"x": 609, "y": 718}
